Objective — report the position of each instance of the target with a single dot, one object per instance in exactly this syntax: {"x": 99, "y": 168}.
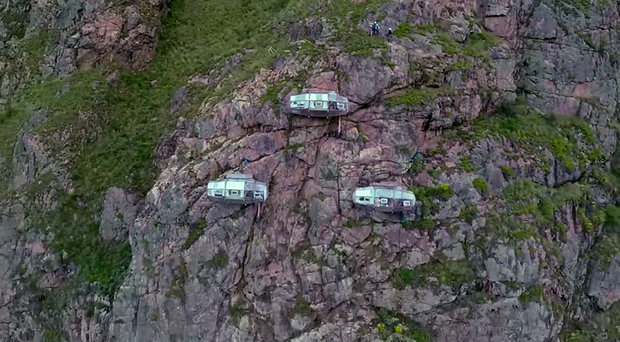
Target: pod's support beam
{"x": 258, "y": 209}
{"x": 339, "y": 124}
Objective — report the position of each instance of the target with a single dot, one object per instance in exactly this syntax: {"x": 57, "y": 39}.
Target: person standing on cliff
{"x": 374, "y": 29}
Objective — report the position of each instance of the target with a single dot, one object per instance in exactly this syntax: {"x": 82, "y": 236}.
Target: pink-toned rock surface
{"x": 470, "y": 263}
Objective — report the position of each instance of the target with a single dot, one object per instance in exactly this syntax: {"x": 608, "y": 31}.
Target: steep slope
{"x": 511, "y": 103}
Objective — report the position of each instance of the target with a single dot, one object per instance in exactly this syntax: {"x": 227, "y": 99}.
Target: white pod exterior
{"x": 238, "y": 188}
{"x": 385, "y": 198}
{"x": 318, "y": 104}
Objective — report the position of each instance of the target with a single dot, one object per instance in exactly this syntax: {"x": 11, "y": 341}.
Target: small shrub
{"x": 311, "y": 50}
{"x": 177, "y": 286}
{"x": 433, "y": 173}
{"x": 415, "y": 97}
{"x": 53, "y": 335}
{"x": 272, "y": 95}
{"x": 220, "y": 260}
{"x": 532, "y": 294}
{"x": 435, "y": 150}
{"x": 293, "y": 147}
{"x": 391, "y": 322}
{"x": 417, "y": 165}
{"x": 421, "y": 224}
{"x": 404, "y": 29}
{"x": 478, "y": 44}
{"x": 448, "y": 45}
{"x": 350, "y": 223}
{"x": 426, "y": 28}
{"x": 480, "y": 185}
{"x": 466, "y": 164}
{"x": 596, "y": 155}
{"x": 461, "y": 64}
{"x": 447, "y": 272}
{"x": 444, "y": 191}
{"x": 427, "y": 196}
{"x": 507, "y": 171}
{"x": 581, "y": 5}
{"x": 360, "y": 43}
{"x": 403, "y": 277}
{"x": 612, "y": 219}
{"x": 236, "y": 311}
{"x": 303, "y": 308}
{"x": 586, "y": 223}
{"x": 469, "y": 213}
{"x": 196, "y": 231}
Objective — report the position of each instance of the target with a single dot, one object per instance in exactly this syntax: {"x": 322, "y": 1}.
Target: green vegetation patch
{"x": 345, "y": 16}
{"x": 311, "y": 50}
{"x": 600, "y": 326}
{"x": 429, "y": 196}
{"x": 529, "y": 198}
{"x": 303, "y": 308}
{"x": 507, "y": 171}
{"x": 466, "y": 164}
{"x": 15, "y": 20}
{"x": 293, "y": 147}
{"x": 177, "y": 287}
{"x": 446, "y": 272}
{"x": 415, "y": 97}
{"x": 11, "y": 118}
{"x": 390, "y": 323}
{"x": 608, "y": 245}
{"x": 570, "y": 139}
{"x": 585, "y": 5}
{"x": 16, "y": 113}
{"x": 360, "y": 43}
{"x": 421, "y": 224}
{"x": 54, "y": 335}
{"x": 220, "y": 260}
{"x": 477, "y": 44}
{"x": 236, "y": 310}
{"x": 529, "y": 211}
{"x": 480, "y": 185}
{"x": 34, "y": 46}
{"x": 448, "y": 45}
{"x": 350, "y": 223}
{"x": 532, "y": 294}
{"x": 76, "y": 235}
{"x": 272, "y": 94}
{"x": 404, "y": 29}
{"x": 469, "y": 213}
{"x": 418, "y": 163}
{"x": 196, "y": 231}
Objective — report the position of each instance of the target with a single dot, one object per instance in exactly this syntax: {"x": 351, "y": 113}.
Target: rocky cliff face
{"x": 58, "y": 38}
{"x": 515, "y": 235}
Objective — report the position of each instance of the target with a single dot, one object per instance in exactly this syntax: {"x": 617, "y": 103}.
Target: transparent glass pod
{"x": 238, "y": 188}
{"x": 385, "y": 198}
